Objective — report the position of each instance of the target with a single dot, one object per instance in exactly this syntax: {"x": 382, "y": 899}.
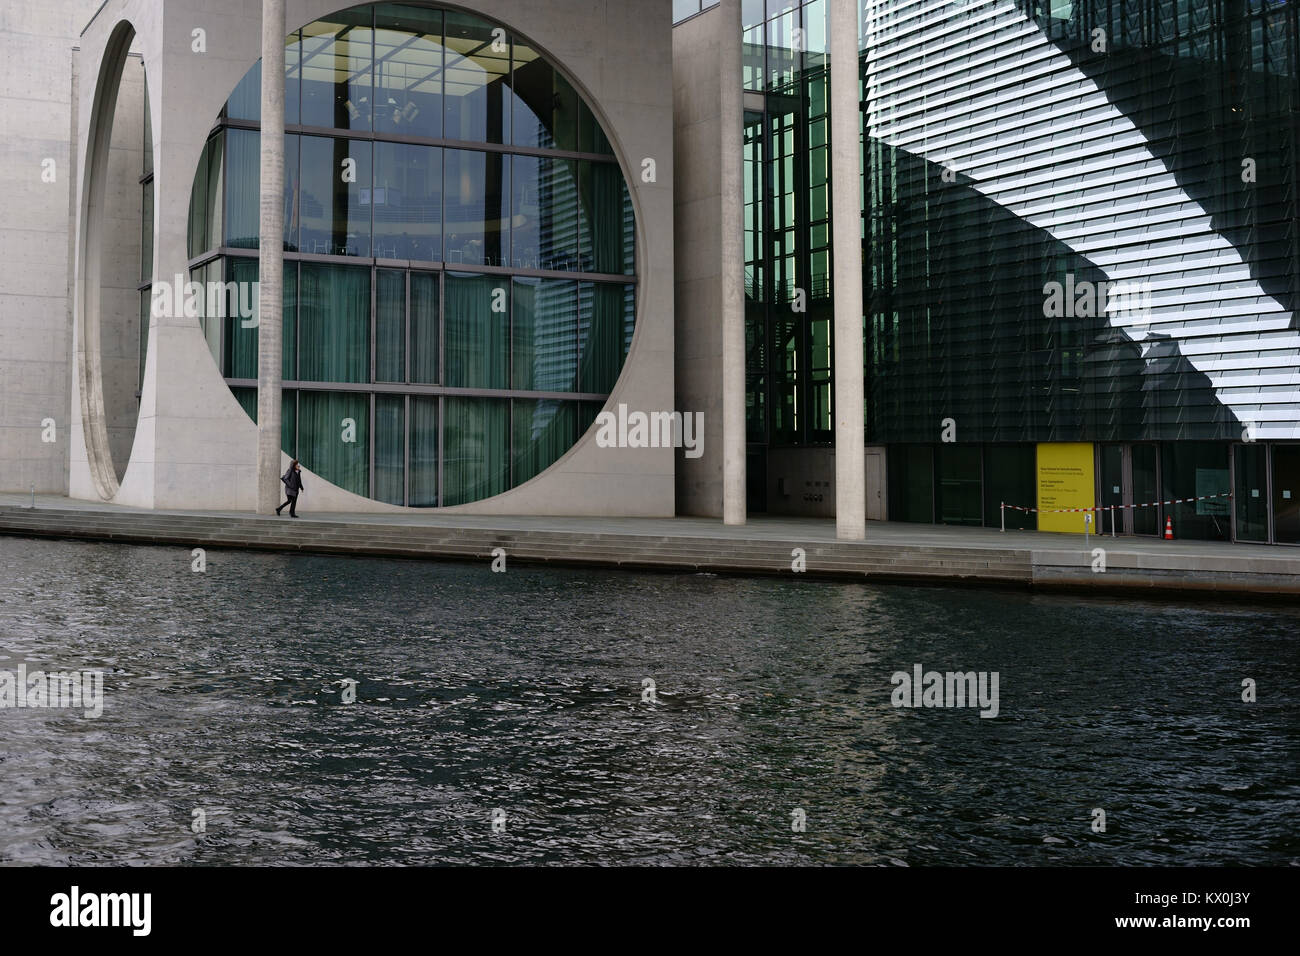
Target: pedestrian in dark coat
{"x": 292, "y": 488}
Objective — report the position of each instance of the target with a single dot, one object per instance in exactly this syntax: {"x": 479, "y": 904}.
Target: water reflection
{"x": 522, "y": 692}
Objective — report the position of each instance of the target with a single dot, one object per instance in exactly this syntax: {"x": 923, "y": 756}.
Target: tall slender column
{"x": 846, "y": 251}
{"x": 270, "y": 259}
{"x": 732, "y": 134}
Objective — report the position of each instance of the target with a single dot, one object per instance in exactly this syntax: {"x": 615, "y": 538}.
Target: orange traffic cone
{"x": 1169, "y": 527}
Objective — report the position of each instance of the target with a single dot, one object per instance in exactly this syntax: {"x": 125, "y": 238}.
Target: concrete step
{"x": 536, "y": 546}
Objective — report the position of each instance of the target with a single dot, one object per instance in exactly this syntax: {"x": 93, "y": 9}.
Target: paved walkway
{"x": 759, "y": 527}
{"x": 764, "y": 545}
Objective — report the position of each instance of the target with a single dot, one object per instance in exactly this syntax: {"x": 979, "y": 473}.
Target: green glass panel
{"x": 390, "y": 325}
{"x": 242, "y": 209}
{"x": 425, "y": 359}
{"x": 240, "y": 341}
{"x": 334, "y": 313}
{"x": 476, "y": 446}
{"x": 548, "y": 233}
{"x": 197, "y": 231}
{"x": 244, "y": 163}
{"x": 544, "y": 335}
{"x": 477, "y": 330}
{"x": 424, "y": 451}
{"x": 241, "y": 338}
{"x": 247, "y": 398}
{"x": 212, "y": 204}
{"x": 604, "y": 331}
{"x": 609, "y": 226}
{"x": 542, "y": 432}
{"x": 333, "y": 438}
{"x": 390, "y": 449}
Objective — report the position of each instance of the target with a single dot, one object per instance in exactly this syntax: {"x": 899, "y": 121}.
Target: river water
{"x": 503, "y": 718}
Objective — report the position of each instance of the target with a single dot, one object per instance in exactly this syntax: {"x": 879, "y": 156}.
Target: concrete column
{"x": 270, "y": 259}
{"x": 846, "y": 252}
{"x": 732, "y": 171}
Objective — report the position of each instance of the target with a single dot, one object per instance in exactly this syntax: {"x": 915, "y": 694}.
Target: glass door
{"x": 1110, "y": 490}
{"x": 1145, "y": 482}
{"x": 1250, "y": 491}
{"x": 1286, "y": 494}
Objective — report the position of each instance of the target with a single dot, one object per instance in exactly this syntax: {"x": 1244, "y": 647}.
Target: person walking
{"x": 292, "y": 487}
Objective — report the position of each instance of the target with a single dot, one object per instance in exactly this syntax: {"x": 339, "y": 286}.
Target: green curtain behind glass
{"x": 198, "y": 219}
{"x": 322, "y": 435}
{"x": 247, "y": 398}
{"x": 601, "y": 336}
{"x": 334, "y": 312}
{"x": 244, "y": 165}
{"x": 390, "y": 452}
{"x": 477, "y": 336}
{"x": 476, "y": 446}
{"x": 544, "y": 335}
{"x": 424, "y": 452}
{"x": 424, "y": 328}
{"x": 241, "y": 343}
{"x": 390, "y": 325}
{"x": 542, "y": 432}
{"x": 215, "y": 148}
{"x": 607, "y": 211}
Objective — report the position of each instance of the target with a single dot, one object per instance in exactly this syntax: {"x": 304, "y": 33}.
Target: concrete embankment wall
{"x": 892, "y": 552}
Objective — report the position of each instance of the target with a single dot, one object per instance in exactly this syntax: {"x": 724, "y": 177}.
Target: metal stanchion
{"x": 1004, "y": 517}
{"x": 1112, "y": 521}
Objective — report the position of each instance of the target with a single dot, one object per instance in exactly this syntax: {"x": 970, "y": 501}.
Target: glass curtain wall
{"x": 455, "y": 315}
{"x": 789, "y": 309}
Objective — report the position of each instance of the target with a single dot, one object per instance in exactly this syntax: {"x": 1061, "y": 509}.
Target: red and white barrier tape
{"x": 1149, "y": 504}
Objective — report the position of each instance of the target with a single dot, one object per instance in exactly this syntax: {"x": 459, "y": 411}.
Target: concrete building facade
{"x": 1075, "y": 227}
{"x": 1079, "y": 249}
{"x": 185, "y": 440}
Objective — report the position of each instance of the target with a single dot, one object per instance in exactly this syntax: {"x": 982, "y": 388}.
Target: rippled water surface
{"x": 522, "y": 692}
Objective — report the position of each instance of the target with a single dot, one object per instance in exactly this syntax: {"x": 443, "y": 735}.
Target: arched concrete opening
{"x": 109, "y": 312}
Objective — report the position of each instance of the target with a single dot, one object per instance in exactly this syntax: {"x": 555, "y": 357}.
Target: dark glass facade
{"x": 1006, "y": 149}
{"x": 460, "y": 276}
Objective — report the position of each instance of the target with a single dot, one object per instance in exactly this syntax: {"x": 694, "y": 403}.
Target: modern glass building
{"x": 460, "y": 262}
{"x": 1080, "y": 253}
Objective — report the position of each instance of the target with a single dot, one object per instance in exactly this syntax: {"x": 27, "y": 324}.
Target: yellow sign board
{"x": 1065, "y": 480}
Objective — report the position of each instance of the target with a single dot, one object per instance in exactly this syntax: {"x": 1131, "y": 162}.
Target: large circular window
{"x": 459, "y": 279}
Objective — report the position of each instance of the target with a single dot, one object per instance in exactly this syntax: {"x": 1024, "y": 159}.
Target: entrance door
{"x": 875, "y": 481}
{"x": 1286, "y": 494}
{"x": 1127, "y": 476}
{"x": 1144, "y": 479}
{"x": 1111, "y": 489}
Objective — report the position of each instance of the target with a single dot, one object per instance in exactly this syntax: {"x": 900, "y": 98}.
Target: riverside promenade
{"x": 894, "y": 552}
